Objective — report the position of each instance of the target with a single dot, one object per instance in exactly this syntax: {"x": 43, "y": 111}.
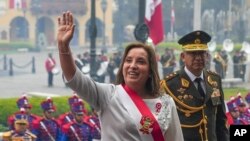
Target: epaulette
{"x": 65, "y": 127}
{"x": 212, "y": 72}
{"x": 31, "y": 134}
{"x": 170, "y": 76}
{"x": 7, "y": 134}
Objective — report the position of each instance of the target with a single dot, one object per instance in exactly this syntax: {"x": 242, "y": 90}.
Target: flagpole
{"x": 142, "y": 5}
{"x": 93, "y": 33}
{"x": 172, "y": 22}
{"x": 197, "y": 15}
{"x": 141, "y": 31}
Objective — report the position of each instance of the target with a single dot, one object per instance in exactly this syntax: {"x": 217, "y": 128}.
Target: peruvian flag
{"x": 17, "y": 4}
{"x": 153, "y": 18}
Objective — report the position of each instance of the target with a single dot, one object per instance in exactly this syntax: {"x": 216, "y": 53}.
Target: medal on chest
{"x": 158, "y": 108}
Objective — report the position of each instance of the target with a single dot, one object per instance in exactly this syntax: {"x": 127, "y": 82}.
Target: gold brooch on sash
{"x": 147, "y": 125}
{"x": 211, "y": 82}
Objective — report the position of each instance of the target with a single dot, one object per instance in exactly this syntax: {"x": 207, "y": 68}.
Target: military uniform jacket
{"x": 32, "y": 118}
{"x": 232, "y": 121}
{"x": 198, "y": 114}
{"x": 94, "y": 122}
{"x": 76, "y": 132}
{"x": 65, "y": 118}
{"x": 47, "y": 130}
{"x": 14, "y": 136}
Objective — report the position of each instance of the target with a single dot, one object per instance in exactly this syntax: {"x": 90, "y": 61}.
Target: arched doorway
{"x": 45, "y": 30}
{"x": 19, "y": 29}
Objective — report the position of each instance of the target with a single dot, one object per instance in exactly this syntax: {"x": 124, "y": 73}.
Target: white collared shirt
{"x": 193, "y": 77}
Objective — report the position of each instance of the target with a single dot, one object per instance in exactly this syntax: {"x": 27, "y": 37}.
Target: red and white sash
{"x": 146, "y": 123}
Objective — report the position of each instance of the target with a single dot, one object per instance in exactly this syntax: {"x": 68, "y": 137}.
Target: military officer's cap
{"x": 239, "y": 101}
{"x": 23, "y": 102}
{"x": 78, "y": 107}
{"x": 47, "y": 105}
{"x": 73, "y": 99}
{"x": 232, "y": 106}
{"x": 195, "y": 41}
{"x": 21, "y": 117}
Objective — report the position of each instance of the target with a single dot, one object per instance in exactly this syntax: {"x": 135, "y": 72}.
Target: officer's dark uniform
{"x": 202, "y": 118}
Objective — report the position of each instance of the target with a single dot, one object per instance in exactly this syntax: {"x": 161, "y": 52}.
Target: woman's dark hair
{"x": 153, "y": 82}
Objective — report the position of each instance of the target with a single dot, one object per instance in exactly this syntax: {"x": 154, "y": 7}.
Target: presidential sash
{"x": 147, "y": 125}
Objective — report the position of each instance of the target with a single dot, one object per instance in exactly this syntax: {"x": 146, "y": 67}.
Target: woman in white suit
{"x": 134, "y": 109}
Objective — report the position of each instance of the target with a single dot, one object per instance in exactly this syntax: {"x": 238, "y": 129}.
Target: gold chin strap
{"x": 203, "y": 122}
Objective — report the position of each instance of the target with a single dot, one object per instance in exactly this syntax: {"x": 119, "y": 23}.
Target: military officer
{"x": 197, "y": 92}
{"x": 47, "y": 128}
{"x": 20, "y": 131}
{"x": 78, "y": 129}
{"x": 23, "y": 102}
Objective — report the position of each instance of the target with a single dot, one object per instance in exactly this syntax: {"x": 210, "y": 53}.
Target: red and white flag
{"x": 17, "y": 4}
{"x": 153, "y": 18}
{"x": 172, "y": 16}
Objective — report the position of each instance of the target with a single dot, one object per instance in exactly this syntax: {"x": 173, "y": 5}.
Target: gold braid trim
{"x": 186, "y": 111}
{"x": 193, "y": 126}
{"x": 190, "y": 110}
{"x": 178, "y": 101}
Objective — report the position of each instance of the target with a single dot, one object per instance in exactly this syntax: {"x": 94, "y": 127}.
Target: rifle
{"x": 74, "y": 131}
{"x": 46, "y": 130}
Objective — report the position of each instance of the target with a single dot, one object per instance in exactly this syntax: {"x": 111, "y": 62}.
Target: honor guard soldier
{"x": 23, "y": 102}
{"x": 242, "y": 108}
{"x": 197, "y": 92}
{"x": 94, "y": 122}
{"x": 247, "y": 98}
{"x": 47, "y": 128}
{"x": 68, "y": 117}
{"x": 77, "y": 130}
{"x": 233, "y": 115}
{"x": 20, "y": 131}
